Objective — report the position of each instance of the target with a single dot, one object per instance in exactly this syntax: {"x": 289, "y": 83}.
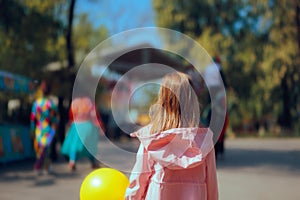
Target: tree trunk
{"x": 67, "y": 75}
{"x": 297, "y": 18}
{"x": 70, "y": 50}
{"x": 285, "y": 117}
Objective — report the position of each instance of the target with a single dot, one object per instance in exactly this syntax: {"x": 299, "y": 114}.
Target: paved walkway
{"x": 260, "y": 170}
{"x": 251, "y": 169}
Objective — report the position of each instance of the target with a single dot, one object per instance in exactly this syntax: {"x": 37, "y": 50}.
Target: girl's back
{"x": 176, "y": 164}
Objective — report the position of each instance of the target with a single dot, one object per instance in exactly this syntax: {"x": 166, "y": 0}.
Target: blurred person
{"x": 219, "y": 146}
{"x": 215, "y": 79}
{"x": 83, "y": 134}
{"x": 176, "y": 158}
{"x": 44, "y": 119}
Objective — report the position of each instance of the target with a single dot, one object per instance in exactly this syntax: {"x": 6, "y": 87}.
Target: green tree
{"x": 281, "y": 61}
{"x": 258, "y": 42}
{"x": 29, "y": 31}
{"x": 86, "y": 37}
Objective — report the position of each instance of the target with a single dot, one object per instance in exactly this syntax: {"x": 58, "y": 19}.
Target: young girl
{"x": 176, "y": 158}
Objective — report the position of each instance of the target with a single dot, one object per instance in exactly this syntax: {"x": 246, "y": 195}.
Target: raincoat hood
{"x": 177, "y": 148}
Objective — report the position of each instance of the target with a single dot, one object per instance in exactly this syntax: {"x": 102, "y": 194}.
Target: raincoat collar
{"x": 177, "y": 147}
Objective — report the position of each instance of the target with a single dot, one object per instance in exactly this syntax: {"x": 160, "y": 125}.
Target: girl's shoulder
{"x": 142, "y": 132}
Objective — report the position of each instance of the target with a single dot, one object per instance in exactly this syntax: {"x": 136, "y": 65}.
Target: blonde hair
{"x": 177, "y": 104}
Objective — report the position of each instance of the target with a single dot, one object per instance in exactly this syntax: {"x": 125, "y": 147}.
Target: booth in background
{"x": 15, "y": 140}
{"x": 15, "y": 143}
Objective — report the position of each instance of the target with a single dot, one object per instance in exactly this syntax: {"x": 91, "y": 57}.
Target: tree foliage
{"x": 258, "y": 42}
{"x": 29, "y": 33}
{"x": 86, "y": 37}
{"x": 36, "y": 33}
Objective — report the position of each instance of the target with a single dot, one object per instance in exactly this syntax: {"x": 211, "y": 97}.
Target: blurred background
{"x": 257, "y": 43}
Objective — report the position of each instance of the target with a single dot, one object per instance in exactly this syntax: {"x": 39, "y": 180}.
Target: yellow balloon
{"x": 104, "y": 184}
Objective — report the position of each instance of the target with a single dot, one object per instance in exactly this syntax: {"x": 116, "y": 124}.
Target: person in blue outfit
{"x": 83, "y": 134}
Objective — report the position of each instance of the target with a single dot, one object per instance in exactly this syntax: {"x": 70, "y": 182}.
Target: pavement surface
{"x": 256, "y": 169}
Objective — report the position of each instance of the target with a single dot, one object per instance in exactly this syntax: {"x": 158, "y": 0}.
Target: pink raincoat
{"x": 177, "y": 164}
